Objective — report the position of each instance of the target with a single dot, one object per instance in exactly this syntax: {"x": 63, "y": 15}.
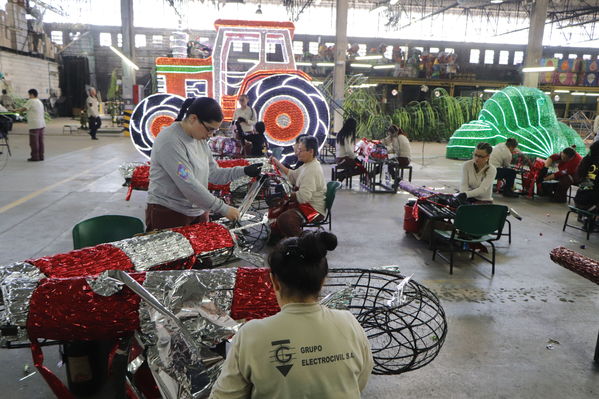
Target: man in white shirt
{"x": 501, "y": 158}
{"x": 36, "y": 124}
{"x": 93, "y": 113}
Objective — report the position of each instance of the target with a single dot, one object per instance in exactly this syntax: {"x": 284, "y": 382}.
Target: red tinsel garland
{"x": 209, "y": 237}
{"x": 84, "y": 262}
{"x": 227, "y": 163}
{"x": 253, "y": 295}
{"x": 140, "y": 179}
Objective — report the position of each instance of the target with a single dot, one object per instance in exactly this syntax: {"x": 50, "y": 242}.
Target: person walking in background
{"x": 93, "y": 113}
{"x": 36, "y": 124}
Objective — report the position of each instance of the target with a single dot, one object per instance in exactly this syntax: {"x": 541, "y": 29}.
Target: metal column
{"x": 128, "y": 32}
{"x": 535, "y": 41}
{"x": 340, "y": 54}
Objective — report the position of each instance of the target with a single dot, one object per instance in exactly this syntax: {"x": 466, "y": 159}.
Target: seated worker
{"x": 501, "y": 159}
{"x": 346, "y": 159}
{"x": 257, "y": 140}
{"x": 587, "y": 195}
{"x": 478, "y": 176}
{"x": 307, "y": 201}
{"x": 267, "y": 357}
{"x": 397, "y": 141}
{"x": 567, "y": 162}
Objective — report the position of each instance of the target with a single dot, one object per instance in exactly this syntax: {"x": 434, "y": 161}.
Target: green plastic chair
{"x": 329, "y": 198}
{"x": 473, "y": 224}
{"x": 103, "y": 229}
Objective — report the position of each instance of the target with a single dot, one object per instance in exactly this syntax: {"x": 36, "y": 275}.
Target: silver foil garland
{"x": 126, "y": 169}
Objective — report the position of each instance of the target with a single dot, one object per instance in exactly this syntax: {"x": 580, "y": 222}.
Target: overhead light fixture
{"x": 592, "y": 94}
{"x": 561, "y": 91}
{"x": 247, "y": 61}
{"x": 538, "y": 69}
{"x": 358, "y": 65}
{"x": 577, "y": 93}
{"x": 490, "y": 90}
{"x": 369, "y": 57}
{"x": 259, "y": 10}
{"x": 547, "y": 92}
{"x": 389, "y": 66}
{"x": 325, "y": 64}
{"x": 301, "y": 63}
{"x": 496, "y": 1}
{"x": 124, "y": 58}
{"x": 393, "y": 2}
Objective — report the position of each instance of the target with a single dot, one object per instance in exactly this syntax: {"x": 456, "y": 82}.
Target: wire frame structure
{"x": 406, "y": 328}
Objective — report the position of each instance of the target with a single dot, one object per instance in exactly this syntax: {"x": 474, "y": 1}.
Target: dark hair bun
{"x": 328, "y": 240}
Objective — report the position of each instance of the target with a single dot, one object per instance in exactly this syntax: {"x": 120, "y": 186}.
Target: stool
{"x": 347, "y": 180}
{"x": 590, "y": 223}
{"x": 70, "y": 128}
{"x": 401, "y": 169}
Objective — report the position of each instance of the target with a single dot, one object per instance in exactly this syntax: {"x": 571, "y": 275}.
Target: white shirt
{"x": 501, "y": 157}
{"x": 312, "y": 189}
{"x": 304, "y": 351}
{"x": 35, "y": 114}
{"x": 92, "y": 106}
{"x": 249, "y": 115}
{"x": 478, "y": 185}
{"x": 344, "y": 149}
{"x": 405, "y": 151}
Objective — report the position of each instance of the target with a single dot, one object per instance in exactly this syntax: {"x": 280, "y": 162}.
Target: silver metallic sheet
{"x": 17, "y": 282}
{"x": 104, "y": 284}
{"x": 127, "y": 168}
{"x": 201, "y": 299}
{"x": 152, "y": 250}
{"x": 267, "y": 167}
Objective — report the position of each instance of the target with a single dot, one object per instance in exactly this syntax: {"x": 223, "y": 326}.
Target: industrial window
{"x": 329, "y": 44}
{"x": 572, "y": 56}
{"x": 157, "y": 40}
{"x": 558, "y": 55}
{"x": 404, "y": 50}
{"x": 140, "y": 41}
{"x": 474, "y": 56}
{"x": 298, "y": 47}
{"x": 586, "y": 57}
{"x": 433, "y": 50}
{"x": 389, "y": 52}
{"x": 119, "y": 40}
{"x": 74, "y": 35}
{"x": 362, "y": 49}
{"x": 313, "y": 48}
{"x": 489, "y": 55}
{"x": 518, "y": 57}
{"x": 449, "y": 50}
{"x": 105, "y": 39}
{"x": 56, "y": 36}
{"x": 421, "y": 49}
{"x": 504, "y": 57}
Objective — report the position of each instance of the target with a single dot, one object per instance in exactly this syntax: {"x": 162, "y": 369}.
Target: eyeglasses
{"x": 210, "y": 129}
{"x": 481, "y": 156}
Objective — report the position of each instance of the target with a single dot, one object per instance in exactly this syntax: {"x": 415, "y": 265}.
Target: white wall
{"x": 23, "y": 73}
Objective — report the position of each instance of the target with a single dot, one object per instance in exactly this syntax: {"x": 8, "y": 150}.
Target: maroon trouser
{"x": 36, "y": 142}
{"x": 160, "y": 217}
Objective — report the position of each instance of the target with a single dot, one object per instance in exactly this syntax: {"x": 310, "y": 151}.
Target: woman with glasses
{"x": 306, "y": 350}
{"x": 307, "y": 202}
{"x": 181, "y": 166}
{"x": 478, "y": 176}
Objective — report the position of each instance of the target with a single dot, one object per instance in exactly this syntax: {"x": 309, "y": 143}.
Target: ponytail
{"x": 184, "y": 109}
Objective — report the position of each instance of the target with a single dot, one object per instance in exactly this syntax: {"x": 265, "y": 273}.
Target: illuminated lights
{"x": 561, "y": 91}
{"x": 358, "y": 65}
{"x": 490, "y": 90}
{"x": 592, "y": 94}
{"x": 538, "y": 69}
{"x": 124, "y": 58}
{"x": 325, "y": 64}
{"x": 369, "y": 57}
{"x": 384, "y": 66}
{"x": 577, "y": 93}
{"x": 523, "y": 113}
{"x": 301, "y": 63}
{"x": 394, "y": 2}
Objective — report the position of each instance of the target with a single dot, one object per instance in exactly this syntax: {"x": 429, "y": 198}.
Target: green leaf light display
{"x": 523, "y": 113}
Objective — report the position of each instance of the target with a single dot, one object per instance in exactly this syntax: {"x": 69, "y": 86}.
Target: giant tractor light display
{"x": 523, "y": 113}
{"x": 249, "y": 57}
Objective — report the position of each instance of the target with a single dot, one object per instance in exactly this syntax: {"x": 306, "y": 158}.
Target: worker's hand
{"x": 253, "y": 170}
{"x": 232, "y": 214}
{"x": 241, "y": 120}
{"x": 549, "y": 177}
{"x": 462, "y": 197}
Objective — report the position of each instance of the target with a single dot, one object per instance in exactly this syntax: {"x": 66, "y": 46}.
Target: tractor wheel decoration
{"x": 150, "y": 116}
{"x": 523, "y": 113}
{"x": 289, "y": 105}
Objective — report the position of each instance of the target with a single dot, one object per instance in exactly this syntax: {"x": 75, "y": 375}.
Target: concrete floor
{"x": 499, "y": 326}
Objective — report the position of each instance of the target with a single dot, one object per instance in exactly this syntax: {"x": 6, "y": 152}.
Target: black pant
{"x": 94, "y": 124}
{"x": 509, "y": 175}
